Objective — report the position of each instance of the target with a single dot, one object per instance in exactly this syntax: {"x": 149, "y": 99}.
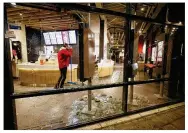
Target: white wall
{"x": 95, "y": 27}
{"x": 20, "y": 36}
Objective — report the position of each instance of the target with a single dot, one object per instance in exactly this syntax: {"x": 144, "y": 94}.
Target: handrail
{"x": 80, "y": 88}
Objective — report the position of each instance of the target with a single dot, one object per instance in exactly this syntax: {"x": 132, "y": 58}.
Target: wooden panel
{"x": 89, "y": 57}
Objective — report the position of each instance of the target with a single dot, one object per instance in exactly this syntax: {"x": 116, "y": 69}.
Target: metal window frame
{"x": 124, "y": 84}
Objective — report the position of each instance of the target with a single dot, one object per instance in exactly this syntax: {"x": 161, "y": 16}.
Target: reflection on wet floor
{"x": 53, "y": 111}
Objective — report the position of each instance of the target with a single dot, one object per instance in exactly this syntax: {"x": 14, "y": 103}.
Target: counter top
{"x": 43, "y": 67}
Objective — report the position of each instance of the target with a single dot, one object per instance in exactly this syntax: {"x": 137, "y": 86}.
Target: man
{"x": 64, "y": 55}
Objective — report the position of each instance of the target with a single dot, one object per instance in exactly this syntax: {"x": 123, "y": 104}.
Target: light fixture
{"x": 142, "y": 9}
{"x": 20, "y": 14}
{"x": 139, "y": 31}
{"x": 180, "y": 23}
{"x": 14, "y": 4}
{"x": 174, "y": 28}
{"x": 166, "y": 26}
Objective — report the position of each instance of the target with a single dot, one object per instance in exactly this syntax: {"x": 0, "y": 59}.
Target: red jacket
{"x": 64, "y": 57}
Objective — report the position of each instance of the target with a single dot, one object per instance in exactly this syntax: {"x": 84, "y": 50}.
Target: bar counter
{"x": 43, "y": 75}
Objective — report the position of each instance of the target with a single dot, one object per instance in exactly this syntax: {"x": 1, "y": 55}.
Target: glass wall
{"x": 99, "y": 55}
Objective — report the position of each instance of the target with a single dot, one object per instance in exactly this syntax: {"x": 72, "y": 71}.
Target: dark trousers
{"x": 62, "y": 78}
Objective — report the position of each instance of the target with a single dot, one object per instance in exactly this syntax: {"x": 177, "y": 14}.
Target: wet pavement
{"x": 166, "y": 118}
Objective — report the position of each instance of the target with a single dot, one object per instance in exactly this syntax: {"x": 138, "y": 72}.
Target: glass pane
{"x": 56, "y": 111}
{"x": 145, "y": 95}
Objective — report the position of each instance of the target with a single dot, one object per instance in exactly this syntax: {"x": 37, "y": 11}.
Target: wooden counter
{"x": 44, "y": 75}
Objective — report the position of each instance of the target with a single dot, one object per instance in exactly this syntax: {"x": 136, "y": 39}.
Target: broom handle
{"x": 71, "y": 68}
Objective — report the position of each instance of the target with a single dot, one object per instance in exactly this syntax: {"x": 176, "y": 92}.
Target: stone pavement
{"x": 166, "y": 118}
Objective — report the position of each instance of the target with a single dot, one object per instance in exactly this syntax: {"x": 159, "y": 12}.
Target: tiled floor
{"x": 52, "y": 111}
{"x": 165, "y": 118}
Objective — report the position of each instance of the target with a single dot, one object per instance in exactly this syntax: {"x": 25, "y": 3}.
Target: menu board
{"x": 72, "y": 37}
{"x": 59, "y": 37}
{"x": 65, "y": 37}
{"x": 47, "y": 38}
{"x": 53, "y": 37}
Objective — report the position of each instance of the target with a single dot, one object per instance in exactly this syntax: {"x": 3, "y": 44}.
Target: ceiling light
{"x": 142, "y": 9}
{"x": 139, "y": 31}
{"x": 174, "y": 28}
{"x": 20, "y": 14}
{"x": 180, "y": 23}
{"x": 14, "y": 4}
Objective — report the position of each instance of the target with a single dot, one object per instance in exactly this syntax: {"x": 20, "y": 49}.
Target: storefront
{"x": 112, "y": 72}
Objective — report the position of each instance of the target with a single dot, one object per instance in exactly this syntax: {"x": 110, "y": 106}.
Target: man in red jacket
{"x": 64, "y": 55}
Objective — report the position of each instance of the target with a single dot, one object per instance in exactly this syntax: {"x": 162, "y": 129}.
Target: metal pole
{"x": 10, "y": 122}
{"x": 131, "y": 92}
{"x": 125, "y": 68}
{"x": 89, "y": 80}
{"x": 89, "y": 95}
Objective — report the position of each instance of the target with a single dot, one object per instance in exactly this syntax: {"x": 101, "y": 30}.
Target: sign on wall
{"x": 10, "y": 34}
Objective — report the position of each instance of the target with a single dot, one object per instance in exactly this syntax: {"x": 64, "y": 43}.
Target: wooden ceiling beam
{"x": 56, "y": 21}
{"x": 40, "y": 19}
{"x": 41, "y": 25}
{"x": 36, "y": 16}
{"x": 27, "y": 13}
{"x": 46, "y": 20}
{"x": 54, "y": 28}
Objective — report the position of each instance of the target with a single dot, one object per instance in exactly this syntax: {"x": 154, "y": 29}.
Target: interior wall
{"x": 20, "y": 36}
{"x": 95, "y": 28}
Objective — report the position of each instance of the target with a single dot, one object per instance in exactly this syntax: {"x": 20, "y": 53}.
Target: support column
{"x": 164, "y": 60}
{"x": 176, "y": 64}
{"x": 125, "y": 68}
{"x": 10, "y": 122}
{"x": 101, "y": 42}
{"x": 81, "y": 52}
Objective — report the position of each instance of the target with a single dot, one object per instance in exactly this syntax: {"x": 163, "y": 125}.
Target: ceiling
{"x": 42, "y": 19}
{"x": 39, "y": 18}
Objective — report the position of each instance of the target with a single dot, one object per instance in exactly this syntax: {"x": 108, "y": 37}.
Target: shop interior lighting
{"x": 20, "y": 14}
{"x": 14, "y": 4}
{"x": 180, "y": 23}
{"x": 142, "y": 9}
{"x": 139, "y": 31}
